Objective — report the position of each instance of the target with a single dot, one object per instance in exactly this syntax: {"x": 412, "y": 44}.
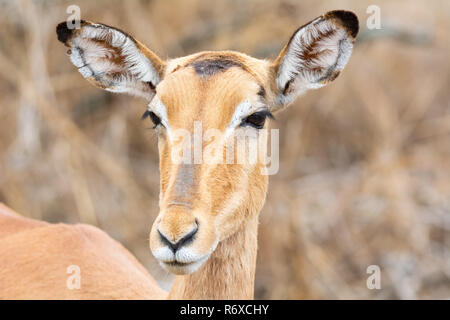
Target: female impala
{"x": 206, "y": 231}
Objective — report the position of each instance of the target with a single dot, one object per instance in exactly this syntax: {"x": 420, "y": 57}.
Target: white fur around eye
{"x": 158, "y": 107}
{"x": 243, "y": 109}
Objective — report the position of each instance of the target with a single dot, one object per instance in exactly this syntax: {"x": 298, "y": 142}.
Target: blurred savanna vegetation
{"x": 364, "y": 173}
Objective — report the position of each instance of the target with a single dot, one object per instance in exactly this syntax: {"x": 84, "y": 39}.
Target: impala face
{"x": 202, "y": 203}
{"x": 229, "y": 93}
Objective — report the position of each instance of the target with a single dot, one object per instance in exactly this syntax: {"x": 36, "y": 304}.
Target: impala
{"x": 206, "y": 230}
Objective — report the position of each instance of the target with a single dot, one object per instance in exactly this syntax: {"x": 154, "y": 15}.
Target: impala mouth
{"x": 185, "y": 259}
{"x": 181, "y": 268}
{"x": 178, "y": 264}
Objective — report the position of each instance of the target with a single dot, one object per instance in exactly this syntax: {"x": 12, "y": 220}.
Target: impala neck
{"x": 228, "y": 274}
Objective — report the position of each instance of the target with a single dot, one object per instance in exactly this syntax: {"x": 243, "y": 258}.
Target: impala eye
{"x": 155, "y": 119}
{"x": 257, "y": 119}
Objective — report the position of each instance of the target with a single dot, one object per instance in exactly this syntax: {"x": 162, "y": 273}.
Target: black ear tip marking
{"x": 63, "y": 32}
{"x": 348, "y": 19}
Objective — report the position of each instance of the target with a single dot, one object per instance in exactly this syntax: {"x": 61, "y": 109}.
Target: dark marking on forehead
{"x": 210, "y": 63}
{"x": 209, "y": 67}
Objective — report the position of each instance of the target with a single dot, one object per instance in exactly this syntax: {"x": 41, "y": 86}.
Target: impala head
{"x": 224, "y": 93}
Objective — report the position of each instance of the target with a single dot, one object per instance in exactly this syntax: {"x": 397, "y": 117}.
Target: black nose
{"x": 184, "y": 240}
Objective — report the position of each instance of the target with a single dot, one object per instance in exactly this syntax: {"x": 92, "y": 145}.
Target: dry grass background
{"x": 364, "y": 163}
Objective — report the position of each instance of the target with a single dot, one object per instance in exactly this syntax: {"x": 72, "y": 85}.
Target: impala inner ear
{"x": 111, "y": 59}
{"x": 315, "y": 55}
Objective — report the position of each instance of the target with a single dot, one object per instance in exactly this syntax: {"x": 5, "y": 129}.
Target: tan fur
{"x": 35, "y": 255}
{"x": 212, "y": 184}
{"x": 220, "y": 203}
{"x": 228, "y": 274}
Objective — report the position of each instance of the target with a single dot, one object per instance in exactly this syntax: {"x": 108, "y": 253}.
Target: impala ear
{"x": 314, "y": 56}
{"x": 111, "y": 59}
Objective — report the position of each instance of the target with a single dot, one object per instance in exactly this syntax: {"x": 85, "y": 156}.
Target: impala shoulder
{"x": 12, "y": 223}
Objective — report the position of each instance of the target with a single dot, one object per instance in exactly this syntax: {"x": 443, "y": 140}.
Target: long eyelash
{"x": 145, "y": 115}
{"x": 265, "y": 113}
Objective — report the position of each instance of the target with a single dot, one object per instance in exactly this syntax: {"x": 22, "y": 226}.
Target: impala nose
{"x": 174, "y": 245}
